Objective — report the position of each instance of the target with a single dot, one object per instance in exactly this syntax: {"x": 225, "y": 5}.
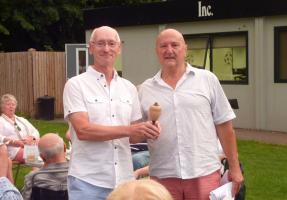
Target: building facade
{"x": 244, "y": 43}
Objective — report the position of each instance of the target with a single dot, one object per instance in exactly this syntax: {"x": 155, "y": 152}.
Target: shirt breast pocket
{"x": 125, "y": 108}
{"x": 97, "y": 108}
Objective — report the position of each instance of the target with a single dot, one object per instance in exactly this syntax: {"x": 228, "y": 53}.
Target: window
{"x": 224, "y": 54}
{"x": 81, "y": 60}
{"x": 119, "y": 65}
{"x": 280, "y": 55}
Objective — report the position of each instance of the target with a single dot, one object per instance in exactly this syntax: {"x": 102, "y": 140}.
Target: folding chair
{"x": 138, "y": 147}
{"x": 17, "y": 167}
{"x": 49, "y": 187}
{"x": 242, "y": 192}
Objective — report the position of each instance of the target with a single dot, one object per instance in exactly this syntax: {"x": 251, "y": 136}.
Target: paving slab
{"x": 271, "y": 137}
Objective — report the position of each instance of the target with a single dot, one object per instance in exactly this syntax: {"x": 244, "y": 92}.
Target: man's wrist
{"x": 9, "y": 141}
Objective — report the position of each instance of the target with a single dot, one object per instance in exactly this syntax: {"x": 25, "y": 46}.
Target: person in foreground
{"x": 15, "y": 131}
{"x": 195, "y": 113}
{"x": 8, "y": 191}
{"x": 6, "y": 164}
{"x": 102, "y": 108}
{"x": 52, "y": 151}
{"x": 144, "y": 189}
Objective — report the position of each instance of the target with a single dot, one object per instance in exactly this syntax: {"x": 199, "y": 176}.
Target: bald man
{"x": 52, "y": 151}
{"x": 102, "y": 108}
{"x": 195, "y": 112}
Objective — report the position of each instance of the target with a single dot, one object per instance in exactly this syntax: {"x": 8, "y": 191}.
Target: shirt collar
{"x": 100, "y": 75}
{"x": 189, "y": 70}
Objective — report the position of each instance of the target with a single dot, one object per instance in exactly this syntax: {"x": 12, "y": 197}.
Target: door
{"x": 77, "y": 59}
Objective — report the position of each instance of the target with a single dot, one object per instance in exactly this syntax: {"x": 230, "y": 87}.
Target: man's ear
{"x": 90, "y": 48}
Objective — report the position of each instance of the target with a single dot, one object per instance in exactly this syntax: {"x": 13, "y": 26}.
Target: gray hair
{"x": 8, "y": 97}
{"x": 52, "y": 151}
{"x": 105, "y": 27}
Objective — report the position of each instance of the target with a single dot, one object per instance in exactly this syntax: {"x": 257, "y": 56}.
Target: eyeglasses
{"x": 101, "y": 44}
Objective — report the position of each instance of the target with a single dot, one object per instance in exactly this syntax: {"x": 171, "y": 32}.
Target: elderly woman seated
{"x": 15, "y": 131}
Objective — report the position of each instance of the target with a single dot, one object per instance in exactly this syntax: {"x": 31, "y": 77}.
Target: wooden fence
{"x": 33, "y": 74}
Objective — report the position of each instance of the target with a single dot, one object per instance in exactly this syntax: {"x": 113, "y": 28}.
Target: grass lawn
{"x": 264, "y": 164}
{"x": 265, "y": 170}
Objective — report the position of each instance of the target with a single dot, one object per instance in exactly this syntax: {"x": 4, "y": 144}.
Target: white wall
{"x": 138, "y": 53}
{"x": 276, "y": 93}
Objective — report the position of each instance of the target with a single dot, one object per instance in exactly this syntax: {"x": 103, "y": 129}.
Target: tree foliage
{"x": 46, "y": 24}
{"x": 40, "y": 24}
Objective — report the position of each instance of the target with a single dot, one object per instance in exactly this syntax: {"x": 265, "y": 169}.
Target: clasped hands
{"x": 147, "y": 129}
{"x": 28, "y": 140}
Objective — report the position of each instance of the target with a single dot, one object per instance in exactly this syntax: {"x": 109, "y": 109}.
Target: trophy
{"x": 154, "y": 112}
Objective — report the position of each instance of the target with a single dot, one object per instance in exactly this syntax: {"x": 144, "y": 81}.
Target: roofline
{"x": 181, "y": 11}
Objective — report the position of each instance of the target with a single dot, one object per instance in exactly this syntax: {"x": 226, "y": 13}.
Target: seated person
{"x": 140, "y": 158}
{"x": 8, "y": 191}
{"x": 140, "y": 189}
{"x": 6, "y": 164}
{"x": 52, "y": 151}
{"x": 15, "y": 131}
{"x": 143, "y": 170}
{"x": 140, "y": 154}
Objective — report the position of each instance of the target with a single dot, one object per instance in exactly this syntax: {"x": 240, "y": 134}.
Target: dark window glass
{"x": 224, "y": 54}
{"x": 280, "y": 56}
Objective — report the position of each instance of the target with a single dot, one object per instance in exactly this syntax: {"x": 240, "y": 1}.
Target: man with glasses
{"x": 101, "y": 107}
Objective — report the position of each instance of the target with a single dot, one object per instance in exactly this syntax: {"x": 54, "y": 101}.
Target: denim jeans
{"x": 140, "y": 159}
{"x": 78, "y": 189}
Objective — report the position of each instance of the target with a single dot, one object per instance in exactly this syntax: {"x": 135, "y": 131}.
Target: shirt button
{"x": 111, "y": 99}
{"x": 115, "y": 147}
{"x": 113, "y": 115}
{"x": 115, "y": 163}
{"x": 105, "y": 85}
{"x": 102, "y": 75}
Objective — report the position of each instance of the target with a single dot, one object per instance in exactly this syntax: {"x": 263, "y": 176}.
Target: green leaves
{"x": 20, "y": 18}
{"x": 46, "y": 24}
{"x": 4, "y": 30}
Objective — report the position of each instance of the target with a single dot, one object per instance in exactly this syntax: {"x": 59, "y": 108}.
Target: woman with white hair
{"x": 15, "y": 131}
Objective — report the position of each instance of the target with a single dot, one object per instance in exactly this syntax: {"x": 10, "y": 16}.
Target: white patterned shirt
{"x": 108, "y": 163}
{"x": 187, "y": 146}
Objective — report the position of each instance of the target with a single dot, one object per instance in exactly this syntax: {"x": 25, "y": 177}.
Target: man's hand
{"x": 30, "y": 140}
{"x": 237, "y": 180}
{"x": 146, "y": 130}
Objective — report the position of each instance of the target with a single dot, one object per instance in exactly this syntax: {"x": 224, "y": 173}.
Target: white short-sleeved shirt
{"x": 108, "y": 163}
{"x": 187, "y": 146}
{"x": 8, "y": 129}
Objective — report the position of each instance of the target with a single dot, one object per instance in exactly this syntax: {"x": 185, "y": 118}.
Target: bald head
{"x": 51, "y": 145}
{"x": 171, "y": 50}
{"x": 170, "y": 33}
{"x": 104, "y": 30}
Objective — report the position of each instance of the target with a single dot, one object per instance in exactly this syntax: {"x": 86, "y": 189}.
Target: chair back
{"x": 46, "y": 194}
{"x": 50, "y": 185}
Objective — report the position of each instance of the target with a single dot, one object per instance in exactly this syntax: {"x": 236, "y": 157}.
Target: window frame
{"x": 277, "y": 30}
{"x": 210, "y": 37}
